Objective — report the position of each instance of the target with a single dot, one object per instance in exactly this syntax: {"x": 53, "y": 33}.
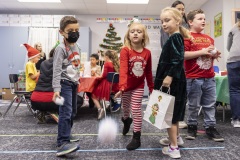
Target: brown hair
{"x": 66, "y": 20}
{"x": 191, "y": 15}
{"x": 145, "y": 40}
{"x": 174, "y": 6}
{"x": 178, "y": 17}
{"x": 113, "y": 56}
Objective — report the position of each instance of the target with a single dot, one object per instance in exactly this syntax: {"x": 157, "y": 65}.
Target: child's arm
{"x": 34, "y": 76}
{"x": 195, "y": 54}
{"x": 229, "y": 41}
{"x": 149, "y": 76}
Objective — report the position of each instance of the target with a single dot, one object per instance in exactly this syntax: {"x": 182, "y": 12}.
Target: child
{"x": 102, "y": 90}
{"x": 179, "y": 5}
{"x": 201, "y": 86}
{"x": 66, "y": 73}
{"x": 92, "y": 70}
{"x": 136, "y": 65}
{"x": 38, "y": 46}
{"x": 31, "y": 72}
{"x": 170, "y": 75}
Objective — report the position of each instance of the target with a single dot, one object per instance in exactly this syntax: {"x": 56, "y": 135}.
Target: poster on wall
{"x": 218, "y": 25}
{"x": 235, "y": 15}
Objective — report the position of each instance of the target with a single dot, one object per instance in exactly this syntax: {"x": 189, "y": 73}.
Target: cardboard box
{"x": 6, "y": 94}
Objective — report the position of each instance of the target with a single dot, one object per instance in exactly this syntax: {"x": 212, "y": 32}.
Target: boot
{"x": 135, "y": 143}
{"x": 127, "y": 123}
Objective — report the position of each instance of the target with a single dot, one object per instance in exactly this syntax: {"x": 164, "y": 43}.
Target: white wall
{"x": 211, "y": 9}
{"x": 99, "y": 30}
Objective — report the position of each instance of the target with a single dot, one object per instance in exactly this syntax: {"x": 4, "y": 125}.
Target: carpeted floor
{"x": 22, "y": 138}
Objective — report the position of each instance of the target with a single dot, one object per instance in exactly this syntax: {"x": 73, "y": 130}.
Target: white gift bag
{"x": 159, "y": 111}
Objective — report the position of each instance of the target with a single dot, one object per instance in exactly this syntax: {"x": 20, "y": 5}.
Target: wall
{"x": 224, "y": 6}
{"x": 12, "y": 55}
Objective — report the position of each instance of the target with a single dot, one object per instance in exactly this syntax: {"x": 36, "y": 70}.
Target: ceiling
{"x": 92, "y": 7}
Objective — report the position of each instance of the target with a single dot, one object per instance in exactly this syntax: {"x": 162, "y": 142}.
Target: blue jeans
{"x": 67, "y": 111}
{"x": 201, "y": 92}
{"x": 234, "y": 88}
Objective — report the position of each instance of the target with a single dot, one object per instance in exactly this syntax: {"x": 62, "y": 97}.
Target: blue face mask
{"x": 72, "y": 37}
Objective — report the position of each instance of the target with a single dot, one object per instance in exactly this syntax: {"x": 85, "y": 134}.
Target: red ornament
{"x": 110, "y": 25}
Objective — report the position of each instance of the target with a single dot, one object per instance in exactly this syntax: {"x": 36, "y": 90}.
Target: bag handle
{"x": 168, "y": 92}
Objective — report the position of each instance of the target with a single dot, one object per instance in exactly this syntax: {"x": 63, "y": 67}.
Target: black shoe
{"x": 66, "y": 149}
{"x": 213, "y": 134}
{"x": 74, "y": 139}
{"x": 192, "y": 132}
{"x": 127, "y": 123}
{"x": 135, "y": 143}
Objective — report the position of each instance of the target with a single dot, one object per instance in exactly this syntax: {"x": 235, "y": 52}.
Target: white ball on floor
{"x": 107, "y": 131}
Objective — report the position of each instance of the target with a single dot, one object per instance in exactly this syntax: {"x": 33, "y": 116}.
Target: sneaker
{"x": 54, "y": 116}
{"x": 116, "y": 107}
{"x": 74, "y": 138}
{"x": 235, "y": 123}
{"x": 213, "y": 134}
{"x": 166, "y": 141}
{"x": 100, "y": 113}
{"x": 173, "y": 153}
{"x": 66, "y": 149}
{"x": 192, "y": 132}
{"x": 182, "y": 124}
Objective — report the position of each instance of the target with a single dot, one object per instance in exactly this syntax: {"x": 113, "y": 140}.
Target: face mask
{"x": 72, "y": 37}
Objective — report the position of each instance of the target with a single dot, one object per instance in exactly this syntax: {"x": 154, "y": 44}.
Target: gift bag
{"x": 87, "y": 84}
{"x": 159, "y": 110}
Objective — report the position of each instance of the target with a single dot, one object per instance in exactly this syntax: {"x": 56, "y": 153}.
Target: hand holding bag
{"x": 159, "y": 111}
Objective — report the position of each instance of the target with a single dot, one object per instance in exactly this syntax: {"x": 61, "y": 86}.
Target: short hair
{"x": 191, "y": 15}
{"x": 95, "y": 55}
{"x": 66, "y": 20}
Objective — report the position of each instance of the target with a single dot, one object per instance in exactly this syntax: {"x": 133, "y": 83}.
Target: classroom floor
{"x": 22, "y": 138}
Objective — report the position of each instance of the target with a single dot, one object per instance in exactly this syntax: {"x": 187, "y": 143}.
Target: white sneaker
{"x": 165, "y": 141}
{"x": 173, "y": 153}
{"x": 235, "y": 123}
{"x": 182, "y": 124}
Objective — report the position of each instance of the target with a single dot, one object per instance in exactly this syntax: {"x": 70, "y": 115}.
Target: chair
{"x": 216, "y": 69}
{"x": 20, "y": 95}
{"x": 112, "y": 77}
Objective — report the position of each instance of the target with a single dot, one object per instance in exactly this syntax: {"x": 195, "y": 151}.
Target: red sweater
{"x": 134, "y": 67}
{"x": 200, "y": 67}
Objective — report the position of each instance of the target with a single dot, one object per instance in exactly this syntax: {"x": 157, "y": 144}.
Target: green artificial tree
{"x": 110, "y": 40}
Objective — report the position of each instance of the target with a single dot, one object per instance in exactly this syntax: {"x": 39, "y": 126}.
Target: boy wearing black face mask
{"x": 66, "y": 73}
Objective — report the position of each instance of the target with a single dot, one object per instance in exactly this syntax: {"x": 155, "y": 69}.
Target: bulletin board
{"x": 218, "y": 25}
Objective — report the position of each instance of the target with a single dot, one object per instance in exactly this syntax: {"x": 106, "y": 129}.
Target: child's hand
{"x": 118, "y": 94}
{"x": 167, "y": 81}
{"x": 217, "y": 55}
{"x": 55, "y": 95}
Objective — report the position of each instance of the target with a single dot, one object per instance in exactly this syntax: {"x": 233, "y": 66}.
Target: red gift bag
{"x": 87, "y": 84}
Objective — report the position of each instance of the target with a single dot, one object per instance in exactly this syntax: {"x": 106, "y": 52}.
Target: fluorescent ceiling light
{"x": 128, "y": 1}
{"x": 44, "y": 1}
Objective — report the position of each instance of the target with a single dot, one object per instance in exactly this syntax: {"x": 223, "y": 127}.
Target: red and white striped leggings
{"x": 132, "y": 102}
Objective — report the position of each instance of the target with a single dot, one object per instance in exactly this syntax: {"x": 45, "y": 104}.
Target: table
{"x": 222, "y": 90}
{"x": 87, "y": 84}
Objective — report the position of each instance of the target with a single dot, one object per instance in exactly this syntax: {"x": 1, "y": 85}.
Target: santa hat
{"x": 32, "y": 52}
{"x": 74, "y": 56}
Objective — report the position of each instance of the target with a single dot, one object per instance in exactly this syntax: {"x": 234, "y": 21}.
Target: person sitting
{"x": 41, "y": 98}
{"x": 92, "y": 69}
{"x": 31, "y": 72}
{"x": 102, "y": 89}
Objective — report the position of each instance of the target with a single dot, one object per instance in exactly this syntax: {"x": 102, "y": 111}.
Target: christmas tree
{"x": 110, "y": 41}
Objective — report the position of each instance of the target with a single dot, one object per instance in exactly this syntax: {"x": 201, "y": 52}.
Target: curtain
{"x": 48, "y": 37}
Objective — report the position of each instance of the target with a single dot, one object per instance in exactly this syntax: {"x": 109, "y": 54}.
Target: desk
{"x": 222, "y": 90}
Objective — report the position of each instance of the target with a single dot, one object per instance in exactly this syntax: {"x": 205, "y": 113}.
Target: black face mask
{"x": 72, "y": 37}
